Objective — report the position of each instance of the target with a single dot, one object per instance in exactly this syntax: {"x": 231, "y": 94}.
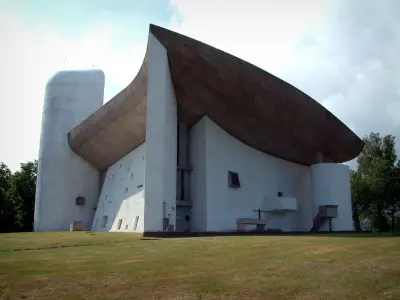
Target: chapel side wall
{"x": 261, "y": 177}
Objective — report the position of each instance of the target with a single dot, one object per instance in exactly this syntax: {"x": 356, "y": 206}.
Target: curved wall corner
{"x": 161, "y": 141}
{"x": 63, "y": 176}
{"x": 331, "y": 186}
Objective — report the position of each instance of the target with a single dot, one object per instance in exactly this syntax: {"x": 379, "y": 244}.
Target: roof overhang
{"x": 252, "y": 105}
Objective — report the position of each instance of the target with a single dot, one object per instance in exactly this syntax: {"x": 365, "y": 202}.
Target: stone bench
{"x": 76, "y": 226}
{"x": 241, "y": 223}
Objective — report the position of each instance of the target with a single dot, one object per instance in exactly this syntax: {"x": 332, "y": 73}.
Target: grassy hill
{"x": 82, "y": 265}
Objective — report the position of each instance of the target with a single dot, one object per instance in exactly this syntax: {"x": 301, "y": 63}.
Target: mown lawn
{"x": 80, "y": 265}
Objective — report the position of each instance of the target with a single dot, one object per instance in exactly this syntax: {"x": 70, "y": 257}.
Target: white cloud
{"x": 261, "y": 32}
{"x": 342, "y": 53}
{"x": 345, "y": 54}
{"x": 31, "y": 56}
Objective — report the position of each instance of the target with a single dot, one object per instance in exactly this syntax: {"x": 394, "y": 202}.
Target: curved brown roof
{"x": 252, "y": 105}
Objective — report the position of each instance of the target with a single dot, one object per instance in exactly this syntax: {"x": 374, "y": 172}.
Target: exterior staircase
{"x": 318, "y": 222}
{"x": 326, "y": 212}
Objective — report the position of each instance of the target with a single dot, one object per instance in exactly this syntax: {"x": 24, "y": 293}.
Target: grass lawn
{"x": 80, "y": 265}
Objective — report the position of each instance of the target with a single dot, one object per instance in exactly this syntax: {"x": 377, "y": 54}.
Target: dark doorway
{"x": 183, "y": 219}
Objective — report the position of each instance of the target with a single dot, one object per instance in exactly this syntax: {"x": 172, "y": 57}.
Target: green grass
{"x": 81, "y": 265}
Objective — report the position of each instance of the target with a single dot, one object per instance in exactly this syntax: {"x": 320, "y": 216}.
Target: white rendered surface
{"x": 198, "y": 182}
{"x": 213, "y": 153}
{"x": 70, "y": 97}
{"x": 161, "y": 141}
{"x": 122, "y": 194}
{"x": 331, "y": 186}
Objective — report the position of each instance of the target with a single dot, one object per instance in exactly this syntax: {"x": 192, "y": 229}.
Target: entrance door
{"x": 183, "y": 219}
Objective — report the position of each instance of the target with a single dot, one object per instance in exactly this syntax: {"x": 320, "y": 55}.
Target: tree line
{"x": 17, "y": 197}
{"x": 375, "y": 189}
{"x": 375, "y": 185}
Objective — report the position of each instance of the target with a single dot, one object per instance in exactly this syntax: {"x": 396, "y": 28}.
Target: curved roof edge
{"x": 265, "y": 112}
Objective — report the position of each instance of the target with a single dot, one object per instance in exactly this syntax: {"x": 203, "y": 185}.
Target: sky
{"x": 344, "y": 54}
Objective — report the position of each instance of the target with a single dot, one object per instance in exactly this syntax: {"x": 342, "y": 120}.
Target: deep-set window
{"x": 233, "y": 180}
{"x": 136, "y": 222}
{"x": 80, "y": 200}
{"x": 119, "y": 224}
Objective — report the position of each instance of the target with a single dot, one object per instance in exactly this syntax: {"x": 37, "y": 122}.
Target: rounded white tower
{"x": 63, "y": 176}
{"x": 331, "y": 186}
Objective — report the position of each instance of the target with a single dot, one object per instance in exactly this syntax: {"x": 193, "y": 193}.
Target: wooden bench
{"x": 241, "y": 223}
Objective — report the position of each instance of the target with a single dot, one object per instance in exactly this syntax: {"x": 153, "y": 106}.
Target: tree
{"x": 21, "y": 193}
{"x": 7, "y": 211}
{"x": 360, "y": 195}
{"x": 393, "y": 201}
{"x": 375, "y": 182}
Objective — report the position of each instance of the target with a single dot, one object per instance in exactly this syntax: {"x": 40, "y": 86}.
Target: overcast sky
{"x": 344, "y": 54}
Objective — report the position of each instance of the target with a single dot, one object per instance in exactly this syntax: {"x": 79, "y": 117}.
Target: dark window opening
{"x": 80, "y": 201}
{"x": 233, "y": 179}
{"x": 119, "y": 224}
{"x": 136, "y": 222}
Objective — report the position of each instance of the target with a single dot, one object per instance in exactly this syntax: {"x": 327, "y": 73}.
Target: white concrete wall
{"x": 261, "y": 177}
{"x": 198, "y": 188}
{"x": 305, "y": 201}
{"x": 161, "y": 140}
{"x": 122, "y": 196}
{"x": 70, "y": 97}
{"x": 331, "y": 186}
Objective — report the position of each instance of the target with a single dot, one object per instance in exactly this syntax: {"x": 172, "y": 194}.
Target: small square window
{"x": 126, "y": 190}
{"x": 80, "y": 201}
{"x": 233, "y": 180}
